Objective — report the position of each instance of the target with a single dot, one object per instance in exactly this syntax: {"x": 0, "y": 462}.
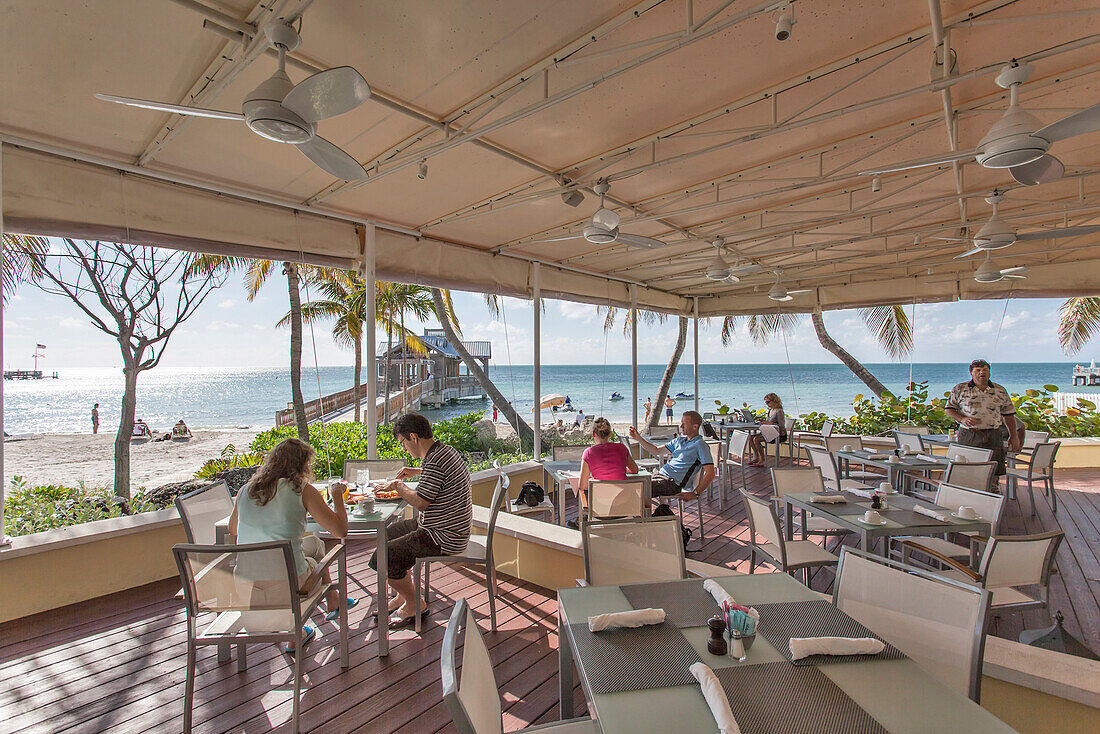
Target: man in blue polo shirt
{"x": 690, "y": 455}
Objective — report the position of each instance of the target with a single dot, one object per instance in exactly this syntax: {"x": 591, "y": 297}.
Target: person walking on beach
{"x": 95, "y": 418}
{"x": 669, "y": 405}
{"x": 980, "y": 406}
{"x": 648, "y": 405}
{"x": 494, "y": 413}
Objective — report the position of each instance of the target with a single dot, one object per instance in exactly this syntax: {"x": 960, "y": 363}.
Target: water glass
{"x": 362, "y": 477}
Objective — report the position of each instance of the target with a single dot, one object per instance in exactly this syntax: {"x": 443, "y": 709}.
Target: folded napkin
{"x": 633, "y": 618}
{"x": 802, "y": 647}
{"x": 827, "y": 499}
{"x": 879, "y": 456}
{"x": 929, "y": 457}
{"x": 715, "y": 698}
{"x": 930, "y": 512}
{"x": 868, "y": 493}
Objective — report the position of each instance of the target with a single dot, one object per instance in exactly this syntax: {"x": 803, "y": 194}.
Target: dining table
{"x": 637, "y": 680}
{"x": 897, "y": 467}
{"x": 567, "y": 472}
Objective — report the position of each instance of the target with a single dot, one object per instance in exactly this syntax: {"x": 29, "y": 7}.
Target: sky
{"x": 230, "y": 331}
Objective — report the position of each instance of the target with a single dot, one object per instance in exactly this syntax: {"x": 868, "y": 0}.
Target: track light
{"x": 876, "y": 184}
{"x": 572, "y": 198}
{"x": 783, "y": 27}
{"x": 422, "y": 170}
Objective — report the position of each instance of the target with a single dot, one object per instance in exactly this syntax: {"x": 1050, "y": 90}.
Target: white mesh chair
{"x": 864, "y": 475}
{"x": 1009, "y": 561}
{"x": 824, "y": 461}
{"x": 663, "y": 432}
{"x": 255, "y": 596}
{"x": 770, "y": 434}
{"x": 805, "y": 480}
{"x": 471, "y": 696}
{"x": 478, "y": 553}
{"x": 788, "y": 556}
{"x": 1034, "y": 438}
{"x": 734, "y": 457}
{"x": 969, "y": 475}
{"x": 378, "y": 468}
{"x": 633, "y": 551}
{"x": 813, "y": 438}
{"x": 960, "y": 453}
{"x": 695, "y": 479}
{"x": 568, "y": 453}
{"x": 909, "y": 428}
{"x": 988, "y": 505}
{"x": 200, "y": 511}
{"x": 788, "y": 426}
{"x": 715, "y": 447}
{"x": 908, "y": 441}
{"x": 1039, "y": 468}
{"x": 940, "y": 624}
{"x": 607, "y": 499}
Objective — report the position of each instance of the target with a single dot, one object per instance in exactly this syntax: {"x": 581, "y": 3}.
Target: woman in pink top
{"x": 605, "y": 459}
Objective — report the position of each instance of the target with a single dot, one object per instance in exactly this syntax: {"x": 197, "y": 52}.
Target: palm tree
{"x": 256, "y": 274}
{"x": 19, "y": 261}
{"x": 1078, "y": 323}
{"x": 610, "y": 313}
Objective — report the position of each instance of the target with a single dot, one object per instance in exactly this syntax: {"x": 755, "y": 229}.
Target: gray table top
{"x": 898, "y": 693}
{"x": 848, "y": 515}
{"x": 906, "y": 463}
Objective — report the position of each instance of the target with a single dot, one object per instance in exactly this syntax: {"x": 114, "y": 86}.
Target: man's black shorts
{"x": 406, "y": 542}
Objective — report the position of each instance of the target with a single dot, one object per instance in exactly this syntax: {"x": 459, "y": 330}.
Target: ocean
{"x": 222, "y": 398}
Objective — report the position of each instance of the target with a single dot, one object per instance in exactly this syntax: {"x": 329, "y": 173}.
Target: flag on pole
{"x": 41, "y": 346}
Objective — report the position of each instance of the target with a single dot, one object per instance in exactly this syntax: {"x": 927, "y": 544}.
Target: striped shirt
{"x": 445, "y": 486}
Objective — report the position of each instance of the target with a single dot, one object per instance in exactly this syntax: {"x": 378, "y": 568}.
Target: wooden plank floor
{"x": 117, "y": 663}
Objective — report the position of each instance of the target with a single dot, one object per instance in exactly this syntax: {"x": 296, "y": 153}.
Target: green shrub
{"x": 30, "y": 509}
{"x": 229, "y": 459}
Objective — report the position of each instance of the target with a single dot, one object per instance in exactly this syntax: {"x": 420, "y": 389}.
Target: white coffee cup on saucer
{"x": 872, "y": 516}
{"x": 967, "y": 512}
{"x": 886, "y": 487}
{"x": 846, "y": 447}
{"x": 960, "y": 459}
{"x": 894, "y": 459}
{"x": 365, "y": 506}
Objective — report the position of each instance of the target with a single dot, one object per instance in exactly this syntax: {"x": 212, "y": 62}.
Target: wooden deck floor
{"x": 117, "y": 663}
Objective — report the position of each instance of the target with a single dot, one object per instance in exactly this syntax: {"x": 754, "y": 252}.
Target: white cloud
{"x": 583, "y": 312}
{"x": 227, "y": 303}
{"x": 220, "y": 325}
{"x": 71, "y": 323}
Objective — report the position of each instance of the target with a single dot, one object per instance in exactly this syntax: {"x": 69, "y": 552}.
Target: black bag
{"x": 708, "y": 430}
{"x": 663, "y": 510}
{"x": 531, "y": 494}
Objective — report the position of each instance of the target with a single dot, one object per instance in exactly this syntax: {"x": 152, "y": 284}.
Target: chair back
{"x": 910, "y": 428}
{"x": 972, "y": 475}
{"x": 708, "y": 415}
{"x": 908, "y": 441}
{"x": 987, "y": 504}
{"x": 471, "y": 696}
{"x": 937, "y": 622}
{"x": 1042, "y": 457}
{"x": 827, "y": 429}
{"x": 1019, "y": 560}
{"x": 608, "y": 498}
{"x": 825, "y": 462}
{"x": 764, "y": 521}
{"x": 788, "y": 425}
{"x": 1034, "y": 438}
{"x": 633, "y": 551}
{"x": 568, "y": 453}
{"x": 200, "y": 511}
{"x": 837, "y": 443}
{"x": 500, "y": 496}
{"x": 738, "y": 442}
{"x": 956, "y": 451}
{"x": 797, "y": 480}
{"x": 378, "y": 468}
{"x": 664, "y": 431}
{"x": 715, "y": 449}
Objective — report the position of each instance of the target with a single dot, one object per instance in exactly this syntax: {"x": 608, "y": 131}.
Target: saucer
{"x": 361, "y": 515}
{"x": 865, "y": 522}
{"x": 976, "y": 517}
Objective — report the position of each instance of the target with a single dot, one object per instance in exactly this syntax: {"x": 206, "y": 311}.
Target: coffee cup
{"x": 967, "y": 512}
{"x": 846, "y": 447}
{"x": 365, "y": 506}
{"x": 960, "y": 459}
{"x": 885, "y": 487}
{"x": 894, "y": 459}
{"x": 872, "y": 516}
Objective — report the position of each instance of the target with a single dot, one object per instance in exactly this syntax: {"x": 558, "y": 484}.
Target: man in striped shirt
{"x": 443, "y": 498}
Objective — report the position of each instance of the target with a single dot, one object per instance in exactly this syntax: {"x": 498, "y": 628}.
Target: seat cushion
{"x": 801, "y": 552}
{"x": 1002, "y": 595}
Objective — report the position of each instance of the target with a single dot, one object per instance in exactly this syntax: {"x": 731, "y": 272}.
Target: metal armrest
{"x": 965, "y": 570}
{"x": 322, "y": 566}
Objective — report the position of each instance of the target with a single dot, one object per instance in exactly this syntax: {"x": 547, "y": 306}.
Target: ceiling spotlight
{"x": 572, "y": 198}
{"x": 422, "y": 170}
{"x": 783, "y": 27}
{"x": 916, "y": 239}
{"x": 876, "y": 184}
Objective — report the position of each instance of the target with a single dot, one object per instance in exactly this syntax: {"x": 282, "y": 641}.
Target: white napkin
{"x": 805, "y": 646}
{"x": 861, "y": 492}
{"x": 878, "y": 456}
{"x": 716, "y": 698}
{"x": 929, "y": 512}
{"x": 827, "y": 499}
{"x": 721, "y": 595}
{"x": 633, "y": 618}
{"x": 927, "y": 457}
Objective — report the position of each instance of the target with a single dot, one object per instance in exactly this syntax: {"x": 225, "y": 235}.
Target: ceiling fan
{"x": 603, "y": 228}
{"x": 997, "y": 233}
{"x": 779, "y": 291}
{"x": 285, "y": 112}
{"x": 719, "y": 268}
{"x": 988, "y": 272}
{"x": 1017, "y": 141}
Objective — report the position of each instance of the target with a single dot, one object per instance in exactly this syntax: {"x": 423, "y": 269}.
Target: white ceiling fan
{"x": 719, "y": 268}
{"x": 1017, "y": 141}
{"x": 988, "y": 272}
{"x": 779, "y": 291}
{"x": 285, "y": 112}
{"x": 603, "y": 228}
{"x": 997, "y": 233}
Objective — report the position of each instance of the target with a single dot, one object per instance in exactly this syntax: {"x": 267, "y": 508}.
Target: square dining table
{"x": 906, "y": 465}
{"x": 886, "y": 693}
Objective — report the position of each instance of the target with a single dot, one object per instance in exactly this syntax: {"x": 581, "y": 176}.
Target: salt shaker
{"x": 737, "y": 646}
{"x": 716, "y": 645}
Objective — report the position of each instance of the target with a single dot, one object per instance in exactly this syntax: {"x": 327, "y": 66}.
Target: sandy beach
{"x": 71, "y": 458}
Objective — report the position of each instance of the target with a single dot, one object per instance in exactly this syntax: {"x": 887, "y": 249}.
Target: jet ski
{"x": 615, "y": 396}
{"x": 683, "y": 395}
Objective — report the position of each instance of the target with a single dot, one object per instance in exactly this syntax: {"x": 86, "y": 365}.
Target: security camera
{"x": 783, "y": 27}
{"x": 422, "y": 170}
{"x": 572, "y": 198}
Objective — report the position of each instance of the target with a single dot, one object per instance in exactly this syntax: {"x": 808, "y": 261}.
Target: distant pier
{"x": 26, "y": 375}
{"x": 1088, "y": 376}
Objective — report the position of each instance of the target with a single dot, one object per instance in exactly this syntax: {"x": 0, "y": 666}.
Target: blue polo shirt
{"x": 685, "y": 452}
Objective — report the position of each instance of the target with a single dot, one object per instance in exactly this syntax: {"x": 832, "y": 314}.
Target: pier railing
{"x": 337, "y": 401}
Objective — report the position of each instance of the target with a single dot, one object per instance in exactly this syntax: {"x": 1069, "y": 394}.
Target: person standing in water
{"x": 95, "y": 418}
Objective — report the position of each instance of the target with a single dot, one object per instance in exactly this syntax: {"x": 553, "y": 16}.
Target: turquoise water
{"x": 250, "y": 397}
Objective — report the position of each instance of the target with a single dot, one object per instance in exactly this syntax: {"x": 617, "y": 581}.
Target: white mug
{"x": 365, "y": 506}
{"x": 894, "y": 459}
{"x": 885, "y": 488}
{"x": 967, "y": 512}
{"x": 872, "y": 516}
{"x": 846, "y": 447}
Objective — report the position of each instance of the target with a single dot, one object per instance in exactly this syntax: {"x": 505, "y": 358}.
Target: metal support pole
{"x": 535, "y": 273}
{"x": 4, "y": 539}
{"x": 366, "y": 255}
{"x": 695, "y": 348}
{"x": 633, "y": 356}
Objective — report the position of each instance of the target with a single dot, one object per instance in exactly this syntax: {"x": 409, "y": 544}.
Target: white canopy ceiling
{"x": 702, "y": 123}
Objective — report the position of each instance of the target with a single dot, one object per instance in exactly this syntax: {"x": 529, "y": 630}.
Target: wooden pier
{"x": 1088, "y": 376}
{"x": 26, "y": 375}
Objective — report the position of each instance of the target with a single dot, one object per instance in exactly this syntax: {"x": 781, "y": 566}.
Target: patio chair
{"x": 254, "y": 593}
{"x": 787, "y": 556}
{"x": 632, "y": 551}
{"x": 940, "y": 624}
{"x": 471, "y": 696}
{"x": 716, "y": 452}
{"x": 988, "y": 506}
{"x": 910, "y": 428}
{"x": 378, "y": 468}
{"x": 698, "y": 477}
{"x": 960, "y": 453}
{"x": 977, "y": 475}
{"x": 734, "y": 456}
{"x": 804, "y": 480}
{"x": 201, "y": 509}
{"x": 826, "y": 462}
{"x": 837, "y": 443}
{"x": 1039, "y": 468}
{"x": 1009, "y": 561}
{"x": 546, "y": 507}
{"x": 608, "y": 499}
{"x": 908, "y": 441}
{"x": 663, "y": 432}
{"x": 568, "y": 453}
{"x": 479, "y": 553}
{"x": 816, "y": 438}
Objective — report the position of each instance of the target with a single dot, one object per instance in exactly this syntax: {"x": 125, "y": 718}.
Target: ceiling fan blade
{"x": 1014, "y": 271}
{"x": 746, "y": 269}
{"x": 1044, "y": 169}
{"x": 968, "y": 253}
{"x": 606, "y": 218}
{"x": 1079, "y": 123}
{"x": 332, "y": 159}
{"x": 932, "y": 160}
{"x": 327, "y": 94}
{"x": 1060, "y": 232}
{"x": 637, "y": 240}
{"x": 952, "y": 239}
{"x": 174, "y": 108}
{"x": 554, "y": 239}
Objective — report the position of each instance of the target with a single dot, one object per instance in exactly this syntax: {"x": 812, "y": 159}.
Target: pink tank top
{"x": 606, "y": 461}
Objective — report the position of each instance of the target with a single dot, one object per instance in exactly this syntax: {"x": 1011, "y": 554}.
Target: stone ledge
{"x": 1066, "y": 676}
{"x": 89, "y": 532}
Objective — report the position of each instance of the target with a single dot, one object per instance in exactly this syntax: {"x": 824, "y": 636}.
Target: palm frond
{"x": 763, "y": 327}
{"x": 891, "y": 328}
{"x": 729, "y": 327}
{"x": 1078, "y": 322}
{"x": 22, "y": 260}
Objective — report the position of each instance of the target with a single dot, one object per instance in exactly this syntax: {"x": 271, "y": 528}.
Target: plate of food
{"x": 386, "y": 495}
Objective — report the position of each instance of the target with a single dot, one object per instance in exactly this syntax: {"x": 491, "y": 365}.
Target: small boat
{"x": 682, "y": 395}
{"x": 615, "y": 396}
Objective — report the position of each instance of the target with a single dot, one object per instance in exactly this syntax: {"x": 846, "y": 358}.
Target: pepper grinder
{"x": 716, "y": 645}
